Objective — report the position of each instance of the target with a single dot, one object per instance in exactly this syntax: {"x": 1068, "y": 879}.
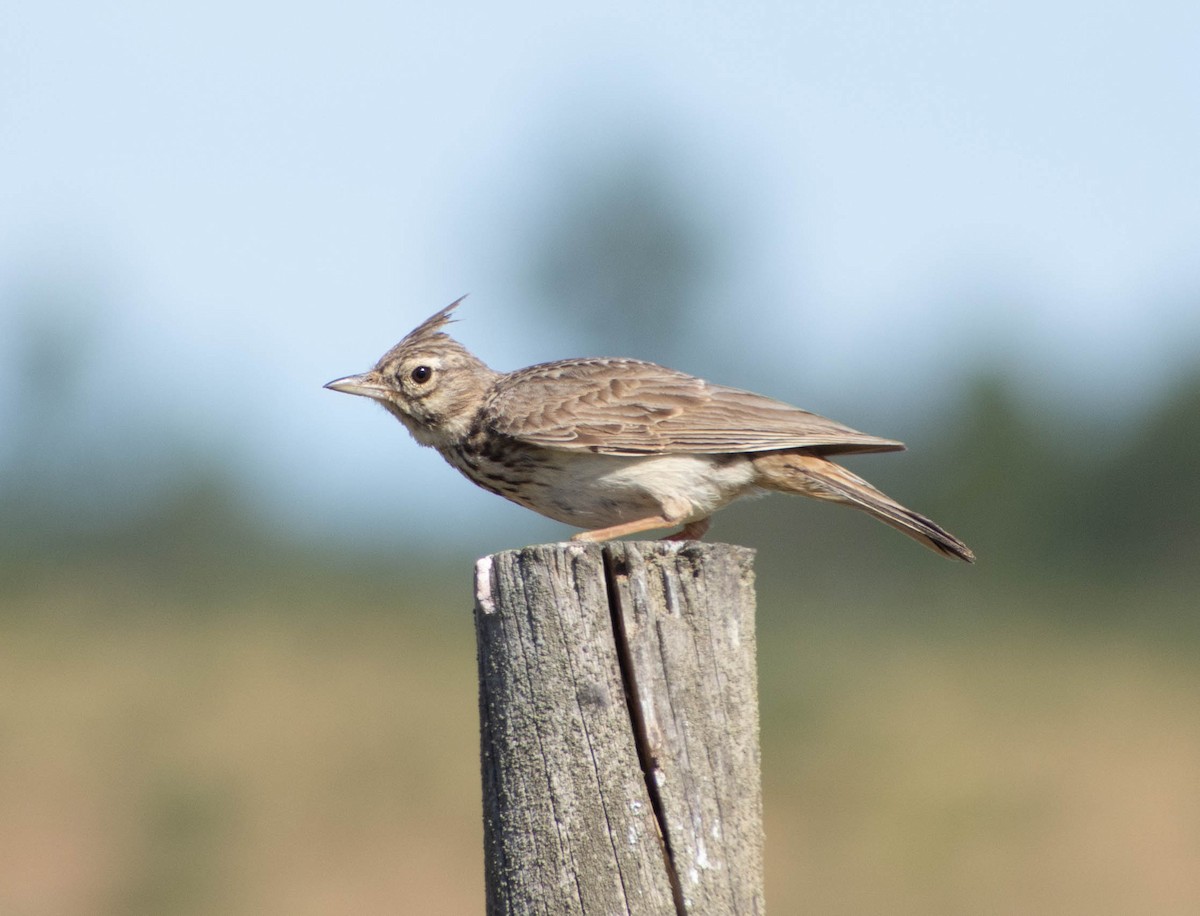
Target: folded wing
{"x": 629, "y": 407}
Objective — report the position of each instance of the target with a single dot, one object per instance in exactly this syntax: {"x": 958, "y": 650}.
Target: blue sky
{"x": 249, "y": 199}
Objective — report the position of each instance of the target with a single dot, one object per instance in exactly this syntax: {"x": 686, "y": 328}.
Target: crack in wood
{"x": 614, "y": 568}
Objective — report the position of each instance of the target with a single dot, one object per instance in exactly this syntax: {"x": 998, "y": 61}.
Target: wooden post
{"x": 619, "y": 728}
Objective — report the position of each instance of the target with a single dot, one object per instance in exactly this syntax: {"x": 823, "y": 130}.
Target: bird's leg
{"x": 692, "y": 531}
{"x": 616, "y": 531}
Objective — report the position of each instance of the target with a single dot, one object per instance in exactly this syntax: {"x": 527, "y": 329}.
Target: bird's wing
{"x": 628, "y": 407}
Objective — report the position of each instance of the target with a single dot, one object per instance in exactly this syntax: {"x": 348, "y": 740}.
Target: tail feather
{"x": 816, "y": 477}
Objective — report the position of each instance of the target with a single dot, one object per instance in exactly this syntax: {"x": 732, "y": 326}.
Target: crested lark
{"x": 620, "y": 446}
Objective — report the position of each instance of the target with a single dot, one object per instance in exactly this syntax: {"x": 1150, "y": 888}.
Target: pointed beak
{"x": 365, "y": 385}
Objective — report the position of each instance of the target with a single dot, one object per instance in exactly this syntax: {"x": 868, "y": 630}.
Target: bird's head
{"x": 429, "y": 381}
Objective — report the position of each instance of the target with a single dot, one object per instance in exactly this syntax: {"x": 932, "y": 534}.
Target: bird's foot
{"x": 692, "y": 531}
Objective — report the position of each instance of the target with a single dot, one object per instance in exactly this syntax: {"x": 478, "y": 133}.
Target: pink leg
{"x": 692, "y": 531}
{"x": 616, "y": 531}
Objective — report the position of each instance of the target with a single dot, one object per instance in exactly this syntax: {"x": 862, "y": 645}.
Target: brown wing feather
{"x": 628, "y": 407}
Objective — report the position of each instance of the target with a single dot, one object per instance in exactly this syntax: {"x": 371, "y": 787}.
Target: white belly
{"x": 597, "y": 491}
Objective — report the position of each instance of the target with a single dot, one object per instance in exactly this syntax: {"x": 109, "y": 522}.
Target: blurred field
{"x": 311, "y": 749}
{"x": 278, "y": 756}
{"x": 1010, "y": 765}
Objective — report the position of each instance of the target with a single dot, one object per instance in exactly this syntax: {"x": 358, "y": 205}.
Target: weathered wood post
{"x": 618, "y": 708}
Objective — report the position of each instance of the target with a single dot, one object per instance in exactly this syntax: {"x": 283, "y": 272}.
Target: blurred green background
{"x": 236, "y": 647}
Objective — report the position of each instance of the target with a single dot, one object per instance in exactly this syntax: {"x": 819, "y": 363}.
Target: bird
{"x": 621, "y": 446}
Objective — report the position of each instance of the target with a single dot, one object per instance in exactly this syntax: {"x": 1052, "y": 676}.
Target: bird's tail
{"x": 819, "y": 478}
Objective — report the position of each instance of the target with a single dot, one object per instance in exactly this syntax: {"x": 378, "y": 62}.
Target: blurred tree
{"x": 1142, "y": 507}
{"x": 86, "y": 478}
{"x": 49, "y": 349}
{"x": 47, "y": 355}
{"x": 626, "y": 257}
{"x": 1000, "y": 469}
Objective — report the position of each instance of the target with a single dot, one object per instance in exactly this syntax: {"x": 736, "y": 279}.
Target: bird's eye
{"x": 421, "y": 374}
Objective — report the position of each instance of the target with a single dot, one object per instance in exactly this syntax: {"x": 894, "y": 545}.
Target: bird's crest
{"x": 431, "y": 326}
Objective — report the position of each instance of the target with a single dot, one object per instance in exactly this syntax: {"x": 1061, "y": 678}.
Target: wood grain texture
{"x": 688, "y": 616}
{"x": 619, "y": 729}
